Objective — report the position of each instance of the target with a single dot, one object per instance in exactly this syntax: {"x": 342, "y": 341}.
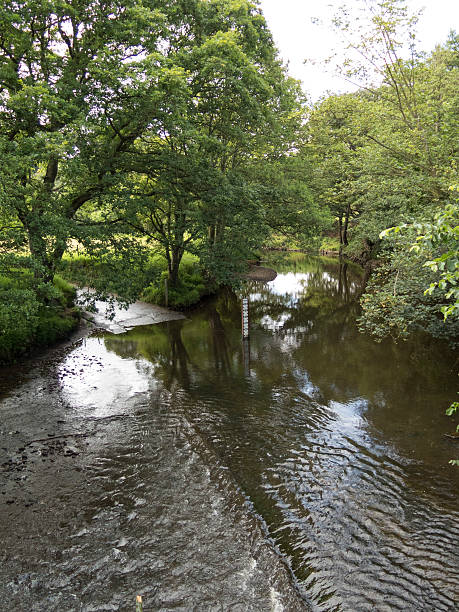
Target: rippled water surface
{"x": 310, "y": 437}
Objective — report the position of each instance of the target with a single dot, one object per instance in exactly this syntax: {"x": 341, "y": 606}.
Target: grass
{"x": 191, "y": 286}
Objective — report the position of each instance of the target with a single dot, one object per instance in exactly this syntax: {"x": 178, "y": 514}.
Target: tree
{"x": 335, "y": 144}
{"x": 403, "y": 122}
{"x": 201, "y": 174}
{"x": 79, "y": 83}
{"x": 128, "y": 119}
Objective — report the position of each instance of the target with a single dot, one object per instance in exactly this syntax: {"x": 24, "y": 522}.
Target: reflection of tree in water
{"x": 209, "y": 344}
{"x": 343, "y": 283}
{"x": 182, "y": 350}
{"x": 178, "y": 366}
{"x": 329, "y": 292}
{"x": 252, "y": 423}
{"x": 317, "y": 342}
{"x": 219, "y": 343}
{"x": 162, "y": 345}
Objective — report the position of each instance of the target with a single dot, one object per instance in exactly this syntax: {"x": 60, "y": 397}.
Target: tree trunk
{"x": 211, "y": 235}
{"x": 174, "y": 265}
{"x": 179, "y": 368}
{"x": 340, "y": 225}
{"x": 219, "y": 232}
{"x": 44, "y": 266}
{"x": 346, "y": 224}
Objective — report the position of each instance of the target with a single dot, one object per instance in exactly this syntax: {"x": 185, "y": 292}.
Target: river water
{"x": 305, "y": 469}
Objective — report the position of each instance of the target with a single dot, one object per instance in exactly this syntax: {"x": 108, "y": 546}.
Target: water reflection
{"x": 336, "y": 441}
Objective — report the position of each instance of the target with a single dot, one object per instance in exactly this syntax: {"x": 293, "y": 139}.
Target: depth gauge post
{"x": 245, "y": 318}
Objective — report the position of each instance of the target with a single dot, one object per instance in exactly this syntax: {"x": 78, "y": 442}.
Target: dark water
{"x": 311, "y": 438}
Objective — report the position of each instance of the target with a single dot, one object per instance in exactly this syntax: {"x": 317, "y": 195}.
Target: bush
{"x": 18, "y": 320}
{"x": 53, "y": 326}
{"x": 112, "y": 276}
{"x": 25, "y": 322}
{"x": 190, "y": 288}
{"x": 330, "y": 243}
{"x": 81, "y": 269}
{"x": 67, "y": 290}
{"x": 395, "y": 302}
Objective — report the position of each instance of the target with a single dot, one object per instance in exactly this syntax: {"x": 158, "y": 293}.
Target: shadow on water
{"x": 335, "y": 441}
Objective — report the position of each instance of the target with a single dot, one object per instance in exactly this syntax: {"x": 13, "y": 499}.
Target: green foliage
{"x": 443, "y": 234}
{"x": 18, "y": 321}
{"x": 124, "y": 273}
{"x": 423, "y": 257}
{"x": 25, "y": 322}
{"x": 330, "y": 243}
{"x": 191, "y": 287}
{"x": 387, "y": 154}
{"x": 67, "y": 290}
{"x": 452, "y": 409}
{"x": 118, "y": 131}
{"x": 149, "y": 278}
{"x": 53, "y": 325}
{"x": 395, "y": 302}
{"x": 74, "y": 97}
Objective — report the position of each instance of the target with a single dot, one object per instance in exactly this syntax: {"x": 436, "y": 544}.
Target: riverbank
{"x": 27, "y": 324}
{"x": 148, "y": 281}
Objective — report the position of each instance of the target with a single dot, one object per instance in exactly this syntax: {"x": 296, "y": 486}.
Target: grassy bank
{"x": 25, "y": 322}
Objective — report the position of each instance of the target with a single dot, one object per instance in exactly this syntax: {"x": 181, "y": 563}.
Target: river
{"x": 305, "y": 469}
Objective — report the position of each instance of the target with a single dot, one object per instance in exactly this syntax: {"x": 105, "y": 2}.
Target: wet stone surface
{"x": 119, "y": 320}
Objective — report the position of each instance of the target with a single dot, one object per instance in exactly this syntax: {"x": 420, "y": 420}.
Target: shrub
{"x": 18, "y": 320}
{"x": 190, "y": 288}
{"x": 330, "y": 243}
{"x": 67, "y": 290}
{"x": 53, "y": 326}
{"x": 25, "y": 322}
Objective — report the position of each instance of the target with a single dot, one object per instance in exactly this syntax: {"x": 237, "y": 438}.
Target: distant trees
{"x": 387, "y": 155}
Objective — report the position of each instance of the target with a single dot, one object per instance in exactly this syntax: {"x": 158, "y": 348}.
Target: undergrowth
{"x": 146, "y": 282}
{"x": 27, "y": 323}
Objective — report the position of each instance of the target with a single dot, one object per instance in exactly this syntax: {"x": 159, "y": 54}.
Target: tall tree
{"x": 239, "y": 112}
{"x": 335, "y": 149}
{"x": 403, "y": 127}
{"x": 79, "y": 83}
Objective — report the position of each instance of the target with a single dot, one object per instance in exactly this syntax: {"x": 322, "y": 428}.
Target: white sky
{"x": 297, "y": 38}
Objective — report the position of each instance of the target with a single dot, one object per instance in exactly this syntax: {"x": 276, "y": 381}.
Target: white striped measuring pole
{"x": 245, "y": 318}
